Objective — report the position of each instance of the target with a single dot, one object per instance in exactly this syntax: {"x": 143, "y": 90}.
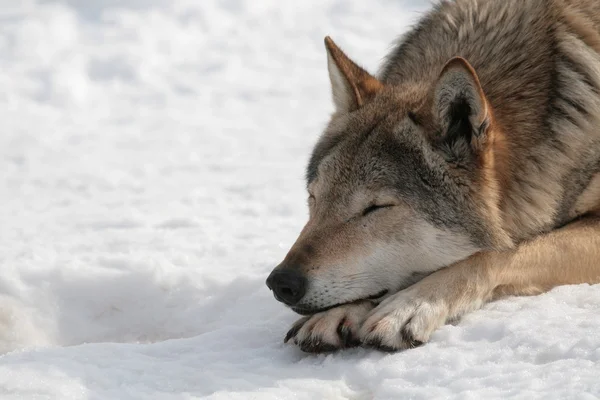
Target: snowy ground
{"x": 152, "y": 155}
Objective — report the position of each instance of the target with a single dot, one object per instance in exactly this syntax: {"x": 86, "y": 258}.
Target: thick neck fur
{"x": 542, "y": 80}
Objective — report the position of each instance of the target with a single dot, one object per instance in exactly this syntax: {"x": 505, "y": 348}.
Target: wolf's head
{"x": 400, "y": 184}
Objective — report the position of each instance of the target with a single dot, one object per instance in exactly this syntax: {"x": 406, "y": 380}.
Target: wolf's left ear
{"x": 459, "y": 103}
{"x": 351, "y": 85}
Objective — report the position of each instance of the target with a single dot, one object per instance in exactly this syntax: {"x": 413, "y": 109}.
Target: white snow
{"x": 152, "y": 156}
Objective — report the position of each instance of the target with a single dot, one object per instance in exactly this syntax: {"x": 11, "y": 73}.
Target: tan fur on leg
{"x": 570, "y": 255}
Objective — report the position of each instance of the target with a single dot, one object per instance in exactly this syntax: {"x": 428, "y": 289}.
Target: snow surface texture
{"x": 152, "y": 157}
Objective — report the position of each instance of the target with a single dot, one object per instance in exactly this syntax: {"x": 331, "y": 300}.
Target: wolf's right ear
{"x": 351, "y": 85}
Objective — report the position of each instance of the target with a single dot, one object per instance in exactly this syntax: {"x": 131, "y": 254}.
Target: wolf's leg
{"x": 570, "y": 255}
{"x": 330, "y": 330}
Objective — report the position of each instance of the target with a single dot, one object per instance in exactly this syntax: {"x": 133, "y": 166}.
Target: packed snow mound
{"x": 152, "y": 156}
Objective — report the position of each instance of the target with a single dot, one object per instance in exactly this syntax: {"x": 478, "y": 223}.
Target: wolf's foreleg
{"x": 570, "y": 255}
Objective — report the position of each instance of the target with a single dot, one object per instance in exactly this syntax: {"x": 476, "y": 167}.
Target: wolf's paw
{"x": 330, "y": 330}
{"x": 403, "y": 321}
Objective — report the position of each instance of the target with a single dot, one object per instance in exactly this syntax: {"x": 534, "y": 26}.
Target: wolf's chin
{"x": 311, "y": 311}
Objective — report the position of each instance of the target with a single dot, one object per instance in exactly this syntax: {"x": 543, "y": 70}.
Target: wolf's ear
{"x": 351, "y": 85}
{"x": 459, "y": 103}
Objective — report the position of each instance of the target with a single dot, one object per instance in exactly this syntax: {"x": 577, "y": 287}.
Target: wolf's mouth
{"x": 310, "y": 311}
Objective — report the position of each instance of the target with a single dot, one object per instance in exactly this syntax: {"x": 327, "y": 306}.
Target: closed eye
{"x": 374, "y": 207}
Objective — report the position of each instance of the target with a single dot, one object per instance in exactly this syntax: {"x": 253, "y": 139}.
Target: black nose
{"x": 288, "y": 285}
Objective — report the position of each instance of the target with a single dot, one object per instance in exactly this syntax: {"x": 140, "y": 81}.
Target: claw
{"x": 409, "y": 339}
{"x": 294, "y": 330}
{"x": 345, "y": 334}
{"x": 316, "y": 346}
{"x": 376, "y": 343}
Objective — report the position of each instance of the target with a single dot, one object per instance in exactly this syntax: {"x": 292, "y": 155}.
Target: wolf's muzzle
{"x": 288, "y": 285}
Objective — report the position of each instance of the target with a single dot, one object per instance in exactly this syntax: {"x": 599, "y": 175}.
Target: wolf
{"x": 466, "y": 170}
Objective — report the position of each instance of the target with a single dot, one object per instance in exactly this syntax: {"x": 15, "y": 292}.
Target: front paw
{"x": 330, "y": 330}
{"x": 403, "y": 321}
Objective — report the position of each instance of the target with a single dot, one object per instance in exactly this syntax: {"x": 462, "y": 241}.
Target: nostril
{"x": 269, "y": 282}
{"x": 288, "y": 285}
